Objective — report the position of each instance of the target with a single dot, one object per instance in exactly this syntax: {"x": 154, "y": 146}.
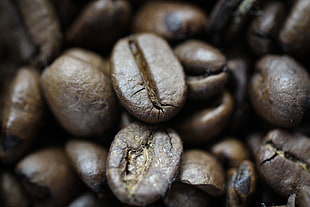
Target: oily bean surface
{"x": 142, "y": 163}
{"x": 147, "y": 78}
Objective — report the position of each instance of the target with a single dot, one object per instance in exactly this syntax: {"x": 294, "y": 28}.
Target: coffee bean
{"x": 15, "y": 43}
{"x": 230, "y": 151}
{"x": 205, "y": 67}
{"x": 22, "y": 114}
{"x": 170, "y": 20}
{"x": 142, "y": 163}
{"x": 147, "y": 78}
{"x": 184, "y": 195}
{"x": 11, "y": 192}
{"x": 43, "y": 28}
{"x": 219, "y": 18}
{"x": 280, "y": 91}
{"x": 100, "y": 24}
{"x": 241, "y": 184}
{"x": 283, "y": 161}
{"x": 204, "y": 124}
{"x": 89, "y": 161}
{"x": 202, "y": 170}
{"x": 295, "y": 33}
{"x": 80, "y": 96}
{"x": 264, "y": 29}
{"x": 46, "y": 175}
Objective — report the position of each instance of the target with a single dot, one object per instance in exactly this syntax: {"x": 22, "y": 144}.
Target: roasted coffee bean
{"x": 89, "y": 161}
{"x": 80, "y": 96}
{"x": 183, "y": 195}
{"x": 295, "y": 33}
{"x": 147, "y": 78}
{"x": 14, "y": 42}
{"x": 264, "y": 29}
{"x": 22, "y": 114}
{"x": 142, "y": 163}
{"x": 43, "y": 28}
{"x": 204, "y": 124}
{"x": 91, "y": 58}
{"x": 11, "y": 192}
{"x": 100, "y": 24}
{"x": 170, "y": 20}
{"x": 280, "y": 91}
{"x": 241, "y": 184}
{"x": 205, "y": 67}
{"x": 283, "y": 161}
{"x": 202, "y": 170}
{"x": 46, "y": 175}
{"x": 230, "y": 151}
{"x": 239, "y": 17}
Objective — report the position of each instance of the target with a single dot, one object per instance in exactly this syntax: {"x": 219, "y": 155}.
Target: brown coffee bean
{"x": 280, "y": 91}
{"x": 219, "y": 18}
{"x": 239, "y": 17}
{"x": 142, "y": 163}
{"x": 11, "y": 192}
{"x": 283, "y": 161}
{"x": 230, "y": 151}
{"x": 89, "y": 161}
{"x": 170, "y": 20}
{"x": 205, "y": 67}
{"x": 15, "y": 42}
{"x": 264, "y": 29}
{"x": 22, "y": 114}
{"x": 202, "y": 170}
{"x": 80, "y": 96}
{"x": 147, "y": 78}
{"x": 295, "y": 33}
{"x": 183, "y": 195}
{"x": 43, "y": 28}
{"x": 91, "y": 58}
{"x": 204, "y": 124}
{"x": 241, "y": 184}
{"x": 99, "y": 24}
{"x": 46, "y": 175}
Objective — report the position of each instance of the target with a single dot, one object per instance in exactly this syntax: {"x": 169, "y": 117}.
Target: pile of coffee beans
{"x": 154, "y": 103}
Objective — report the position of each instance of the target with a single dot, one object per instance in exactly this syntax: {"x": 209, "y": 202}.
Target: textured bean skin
{"x": 147, "y": 78}
{"x": 142, "y": 162}
{"x": 284, "y": 160}
{"x": 80, "y": 96}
